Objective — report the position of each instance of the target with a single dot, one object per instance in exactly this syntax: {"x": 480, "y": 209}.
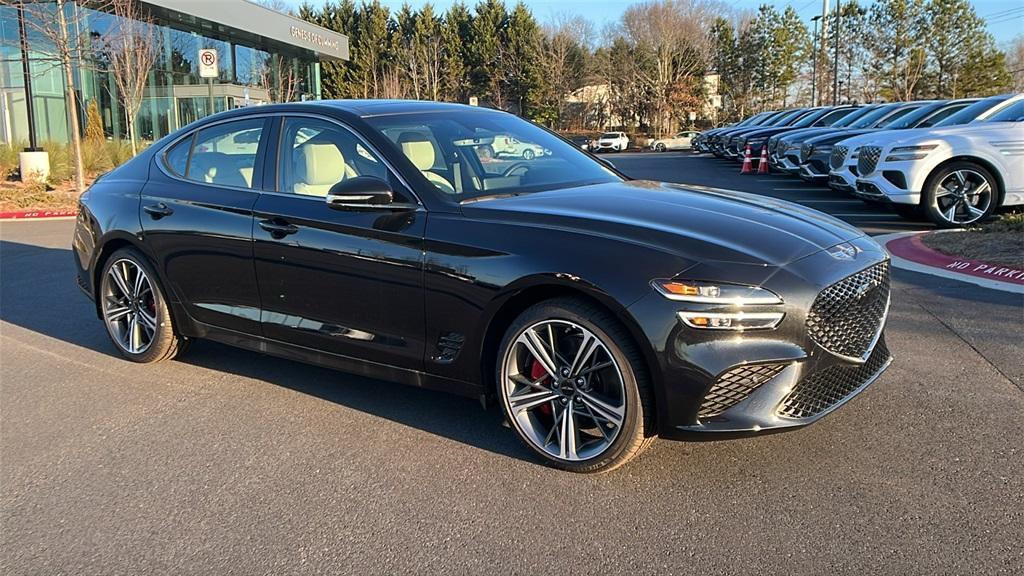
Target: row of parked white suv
{"x": 953, "y": 161}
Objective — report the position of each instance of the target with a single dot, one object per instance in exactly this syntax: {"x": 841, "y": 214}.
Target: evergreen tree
{"x": 896, "y": 42}
{"x": 456, "y": 31}
{"x": 520, "y": 60}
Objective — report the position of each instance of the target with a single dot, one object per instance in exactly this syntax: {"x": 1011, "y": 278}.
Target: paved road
{"x": 227, "y": 462}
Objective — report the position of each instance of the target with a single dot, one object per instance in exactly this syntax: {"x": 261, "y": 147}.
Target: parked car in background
{"x": 954, "y": 175}
{"x": 583, "y": 142}
{"x": 702, "y": 142}
{"x": 814, "y": 117}
{"x": 681, "y": 141}
{"x": 614, "y": 141}
{"x": 505, "y": 146}
{"x": 843, "y": 160}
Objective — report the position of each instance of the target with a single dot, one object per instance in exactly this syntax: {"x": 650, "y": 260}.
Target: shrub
{"x": 9, "y": 160}
{"x": 94, "y": 125}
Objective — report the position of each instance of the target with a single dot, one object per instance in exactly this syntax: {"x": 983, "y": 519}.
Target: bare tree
{"x": 63, "y": 30}
{"x": 676, "y": 35}
{"x": 1015, "y": 62}
{"x": 278, "y": 78}
{"x": 131, "y": 47}
{"x": 564, "y": 52}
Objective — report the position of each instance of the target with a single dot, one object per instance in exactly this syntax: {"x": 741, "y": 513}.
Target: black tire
{"x": 930, "y": 202}
{"x": 164, "y": 343}
{"x": 660, "y": 147}
{"x": 638, "y": 429}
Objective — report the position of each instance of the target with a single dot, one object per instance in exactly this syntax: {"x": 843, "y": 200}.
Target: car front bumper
{"x": 729, "y": 382}
{"x": 815, "y": 168}
{"x": 876, "y": 187}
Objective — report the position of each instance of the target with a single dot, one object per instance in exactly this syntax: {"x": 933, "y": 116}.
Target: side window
{"x": 316, "y": 154}
{"x": 939, "y": 116}
{"x": 176, "y": 159}
{"x": 225, "y": 154}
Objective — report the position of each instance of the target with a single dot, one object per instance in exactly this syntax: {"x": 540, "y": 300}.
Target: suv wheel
{"x": 575, "y": 387}
{"x": 960, "y": 194}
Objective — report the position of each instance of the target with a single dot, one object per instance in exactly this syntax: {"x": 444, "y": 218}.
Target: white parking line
{"x": 870, "y": 215}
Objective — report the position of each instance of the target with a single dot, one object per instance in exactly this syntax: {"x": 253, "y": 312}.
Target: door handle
{"x": 278, "y": 228}
{"x": 158, "y": 211}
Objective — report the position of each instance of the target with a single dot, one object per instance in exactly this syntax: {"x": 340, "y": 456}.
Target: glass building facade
{"x": 263, "y": 57}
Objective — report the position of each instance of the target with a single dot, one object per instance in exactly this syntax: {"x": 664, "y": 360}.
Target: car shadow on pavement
{"x": 38, "y": 293}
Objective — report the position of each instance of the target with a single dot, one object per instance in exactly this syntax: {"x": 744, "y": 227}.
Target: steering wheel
{"x": 515, "y": 166}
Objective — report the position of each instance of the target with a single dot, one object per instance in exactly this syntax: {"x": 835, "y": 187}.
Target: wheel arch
{"x": 529, "y": 291}
{"x": 111, "y": 244}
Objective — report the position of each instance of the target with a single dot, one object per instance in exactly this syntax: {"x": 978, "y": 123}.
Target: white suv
{"x": 956, "y": 175}
{"x": 616, "y": 141}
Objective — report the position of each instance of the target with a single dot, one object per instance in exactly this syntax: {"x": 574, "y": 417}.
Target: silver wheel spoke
{"x": 124, "y": 302}
{"x": 529, "y": 400}
{"x": 595, "y": 368}
{"x": 974, "y": 212}
{"x": 942, "y": 192}
{"x": 122, "y": 283}
{"x": 140, "y": 279}
{"x": 535, "y": 345}
{"x": 587, "y": 348}
{"x": 149, "y": 322}
{"x": 133, "y": 335}
{"x": 950, "y": 213}
{"x": 602, "y": 409}
{"x": 959, "y": 177}
{"x": 117, "y": 313}
{"x": 981, "y": 189}
{"x": 567, "y": 440}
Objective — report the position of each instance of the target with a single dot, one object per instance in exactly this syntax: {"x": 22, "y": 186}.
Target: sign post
{"x": 209, "y": 68}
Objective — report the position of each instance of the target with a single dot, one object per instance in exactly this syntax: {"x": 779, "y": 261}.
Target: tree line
{"x": 654, "y": 69}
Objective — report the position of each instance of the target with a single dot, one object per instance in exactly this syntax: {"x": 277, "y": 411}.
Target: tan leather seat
{"x": 318, "y": 167}
{"x": 420, "y": 152}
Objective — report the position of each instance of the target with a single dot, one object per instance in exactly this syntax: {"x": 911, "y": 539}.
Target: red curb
{"x": 911, "y": 248}
{"x": 30, "y": 214}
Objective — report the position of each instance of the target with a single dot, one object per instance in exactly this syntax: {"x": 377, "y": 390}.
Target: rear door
{"x": 347, "y": 282}
{"x": 196, "y": 212}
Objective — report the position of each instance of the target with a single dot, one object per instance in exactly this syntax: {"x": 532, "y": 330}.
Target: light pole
{"x": 814, "y": 64}
{"x": 835, "y": 65}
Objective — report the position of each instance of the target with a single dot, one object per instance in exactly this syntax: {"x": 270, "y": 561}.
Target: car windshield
{"x": 912, "y": 118}
{"x": 894, "y": 115}
{"x": 973, "y": 111}
{"x": 466, "y": 153}
{"x": 854, "y": 116}
{"x": 870, "y": 118}
{"x": 834, "y": 117}
{"x": 1012, "y": 113}
{"x": 610, "y": 135}
{"x": 785, "y": 118}
{"x": 810, "y": 118}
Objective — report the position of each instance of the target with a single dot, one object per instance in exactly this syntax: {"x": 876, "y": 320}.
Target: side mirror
{"x": 360, "y": 192}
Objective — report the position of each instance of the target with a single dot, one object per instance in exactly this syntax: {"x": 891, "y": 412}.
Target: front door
{"x": 347, "y": 282}
{"x": 197, "y": 217}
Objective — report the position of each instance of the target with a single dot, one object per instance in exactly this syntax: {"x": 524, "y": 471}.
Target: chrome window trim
{"x": 162, "y": 154}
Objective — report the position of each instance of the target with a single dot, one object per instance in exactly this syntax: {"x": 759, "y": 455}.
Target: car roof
{"x": 367, "y": 108}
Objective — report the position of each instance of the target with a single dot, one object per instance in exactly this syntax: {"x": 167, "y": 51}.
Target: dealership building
{"x": 261, "y": 56}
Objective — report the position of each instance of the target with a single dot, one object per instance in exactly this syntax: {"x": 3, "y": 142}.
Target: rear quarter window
{"x": 176, "y": 159}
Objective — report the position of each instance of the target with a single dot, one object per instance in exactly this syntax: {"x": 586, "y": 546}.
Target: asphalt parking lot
{"x": 227, "y": 462}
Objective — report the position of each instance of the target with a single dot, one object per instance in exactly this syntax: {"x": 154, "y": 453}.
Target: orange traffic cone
{"x": 762, "y": 165}
{"x": 746, "y": 169}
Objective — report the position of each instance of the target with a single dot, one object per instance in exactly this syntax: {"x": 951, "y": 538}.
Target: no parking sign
{"x": 208, "y": 67}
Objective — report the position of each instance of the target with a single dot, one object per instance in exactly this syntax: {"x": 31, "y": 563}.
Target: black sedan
{"x": 381, "y": 238}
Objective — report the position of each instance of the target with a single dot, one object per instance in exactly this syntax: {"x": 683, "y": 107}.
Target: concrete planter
{"x": 35, "y": 166}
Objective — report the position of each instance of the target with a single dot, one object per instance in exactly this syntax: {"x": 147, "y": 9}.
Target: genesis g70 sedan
{"x": 383, "y": 238}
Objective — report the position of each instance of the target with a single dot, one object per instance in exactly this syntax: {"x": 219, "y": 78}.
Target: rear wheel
{"x": 574, "y": 386}
{"x": 659, "y": 147}
{"x": 134, "y": 309}
{"x": 960, "y": 194}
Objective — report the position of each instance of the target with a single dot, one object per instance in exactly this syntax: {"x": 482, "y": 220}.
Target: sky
{"x": 1005, "y": 17}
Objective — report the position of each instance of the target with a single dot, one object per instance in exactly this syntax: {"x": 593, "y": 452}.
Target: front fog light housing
{"x": 739, "y": 321}
{"x": 908, "y": 153}
{"x": 714, "y": 293}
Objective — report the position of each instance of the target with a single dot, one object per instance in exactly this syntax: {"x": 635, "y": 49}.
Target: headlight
{"x": 714, "y": 293}
{"x": 731, "y": 320}
{"x": 906, "y": 153}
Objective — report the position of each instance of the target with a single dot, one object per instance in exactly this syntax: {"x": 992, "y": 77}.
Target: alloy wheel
{"x": 129, "y": 306}
{"x": 564, "y": 390}
{"x": 962, "y": 197}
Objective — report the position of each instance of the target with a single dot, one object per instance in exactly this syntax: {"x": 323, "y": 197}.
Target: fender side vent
{"x": 448, "y": 347}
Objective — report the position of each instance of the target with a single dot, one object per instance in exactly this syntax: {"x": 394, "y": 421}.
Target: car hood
{"x": 838, "y": 135}
{"x": 696, "y": 223}
{"x": 996, "y": 129}
{"x": 801, "y": 134}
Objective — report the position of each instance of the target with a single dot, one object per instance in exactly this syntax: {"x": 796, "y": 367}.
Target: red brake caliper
{"x": 536, "y": 371}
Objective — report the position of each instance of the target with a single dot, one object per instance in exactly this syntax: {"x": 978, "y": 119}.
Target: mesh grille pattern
{"x": 838, "y": 157}
{"x": 867, "y": 159}
{"x": 805, "y": 153}
{"x": 822, "y": 390}
{"x": 846, "y": 316}
{"x": 735, "y": 385}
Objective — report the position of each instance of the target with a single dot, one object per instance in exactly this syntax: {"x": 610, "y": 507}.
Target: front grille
{"x": 838, "y": 157}
{"x": 847, "y": 316}
{"x": 805, "y": 153}
{"x": 867, "y": 159}
{"x": 822, "y": 390}
{"x": 734, "y": 386}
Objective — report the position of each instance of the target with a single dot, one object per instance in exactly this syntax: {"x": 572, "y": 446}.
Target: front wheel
{"x": 659, "y": 147}
{"x": 528, "y": 154}
{"x": 134, "y": 309}
{"x": 960, "y": 194}
{"x": 574, "y": 386}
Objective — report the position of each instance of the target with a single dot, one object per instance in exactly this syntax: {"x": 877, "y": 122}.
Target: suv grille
{"x": 822, "y": 390}
{"x": 734, "y": 386}
{"x": 805, "y": 153}
{"x": 847, "y": 317}
{"x": 838, "y": 157}
{"x": 867, "y": 159}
